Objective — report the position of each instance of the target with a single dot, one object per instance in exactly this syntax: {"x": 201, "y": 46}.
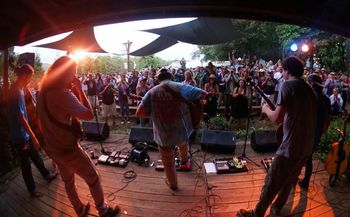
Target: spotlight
{"x": 305, "y": 48}
{"x": 294, "y": 47}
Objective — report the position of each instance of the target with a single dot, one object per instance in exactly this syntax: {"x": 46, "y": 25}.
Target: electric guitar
{"x": 279, "y": 130}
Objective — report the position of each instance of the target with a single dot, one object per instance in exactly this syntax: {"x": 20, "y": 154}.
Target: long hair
{"x": 55, "y": 76}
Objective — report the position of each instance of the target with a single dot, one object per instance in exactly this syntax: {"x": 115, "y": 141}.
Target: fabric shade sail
{"x": 81, "y": 39}
{"x": 202, "y": 31}
{"x": 161, "y": 43}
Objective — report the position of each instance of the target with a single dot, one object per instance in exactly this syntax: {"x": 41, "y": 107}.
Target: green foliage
{"x": 218, "y": 123}
{"x": 258, "y": 38}
{"x": 150, "y": 61}
{"x": 330, "y": 136}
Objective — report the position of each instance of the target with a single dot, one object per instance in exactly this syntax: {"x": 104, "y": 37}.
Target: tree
{"x": 258, "y": 39}
{"x": 150, "y": 61}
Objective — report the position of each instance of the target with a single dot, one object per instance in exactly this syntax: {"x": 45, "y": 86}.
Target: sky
{"x": 111, "y": 38}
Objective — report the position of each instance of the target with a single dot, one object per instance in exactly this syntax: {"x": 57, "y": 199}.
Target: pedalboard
{"x": 116, "y": 158}
{"x": 230, "y": 165}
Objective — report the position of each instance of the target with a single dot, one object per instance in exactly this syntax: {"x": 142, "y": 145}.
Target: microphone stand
{"x": 247, "y": 127}
{"x": 98, "y": 126}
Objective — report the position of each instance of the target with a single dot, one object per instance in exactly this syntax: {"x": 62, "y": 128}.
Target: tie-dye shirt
{"x": 172, "y": 124}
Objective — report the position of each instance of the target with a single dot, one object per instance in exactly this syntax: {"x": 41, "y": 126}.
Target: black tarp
{"x": 201, "y": 31}
{"x": 81, "y": 39}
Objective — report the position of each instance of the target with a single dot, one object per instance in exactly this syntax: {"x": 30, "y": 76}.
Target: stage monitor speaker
{"x": 263, "y": 141}
{"x": 95, "y": 131}
{"x": 141, "y": 134}
{"x": 218, "y": 141}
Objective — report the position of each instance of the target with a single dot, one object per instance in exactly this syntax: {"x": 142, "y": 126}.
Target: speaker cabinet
{"x": 218, "y": 141}
{"x": 141, "y": 134}
{"x": 264, "y": 141}
{"x": 95, "y": 131}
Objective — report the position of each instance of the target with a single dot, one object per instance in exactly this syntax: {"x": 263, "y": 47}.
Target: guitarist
{"x": 322, "y": 123}
{"x": 296, "y": 108}
{"x": 172, "y": 123}
{"x": 58, "y": 106}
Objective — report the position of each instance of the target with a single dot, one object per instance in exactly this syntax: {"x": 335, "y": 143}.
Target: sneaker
{"x": 36, "y": 194}
{"x": 128, "y": 122}
{"x": 186, "y": 165}
{"x": 109, "y": 211}
{"x": 51, "y": 176}
{"x": 122, "y": 122}
{"x": 246, "y": 213}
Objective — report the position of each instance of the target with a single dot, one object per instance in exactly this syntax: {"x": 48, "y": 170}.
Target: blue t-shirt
{"x": 16, "y": 106}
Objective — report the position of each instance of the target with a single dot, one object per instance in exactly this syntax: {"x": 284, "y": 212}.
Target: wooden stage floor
{"x": 198, "y": 195}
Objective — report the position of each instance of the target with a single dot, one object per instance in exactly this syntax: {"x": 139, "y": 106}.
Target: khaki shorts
{"x": 109, "y": 110}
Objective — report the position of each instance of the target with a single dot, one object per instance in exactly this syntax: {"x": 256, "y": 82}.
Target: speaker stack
{"x": 264, "y": 141}
{"x": 218, "y": 141}
{"x": 142, "y": 134}
{"x": 96, "y": 131}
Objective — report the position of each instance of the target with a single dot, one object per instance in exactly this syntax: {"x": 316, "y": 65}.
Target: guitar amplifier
{"x": 264, "y": 141}
{"x": 219, "y": 141}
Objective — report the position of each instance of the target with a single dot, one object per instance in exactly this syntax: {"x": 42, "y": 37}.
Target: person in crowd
{"x": 269, "y": 86}
{"x": 123, "y": 90}
{"x": 221, "y": 84}
{"x": 330, "y": 84}
{"x": 336, "y": 102}
{"x": 132, "y": 81}
{"x": 188, "y": 79}
{"x": 323, "y": 118}
{"x": 22, "y": 136}
{"x": 141, "y": 91}
{"x": 92, "y": 91}
{"x": 231, "y": 80}
{"x": 211, "y": 106}
{"x": 344, "y": 85}
{"x": 210, "y": 71}
{"x": 239, "y": 106}
{"x": 172, "y": 124}
{"x": 99, "y": 81}
{"x": 296, "y": 97}
{"x": 58, "y": 109}
{"x": 108, "y": 94}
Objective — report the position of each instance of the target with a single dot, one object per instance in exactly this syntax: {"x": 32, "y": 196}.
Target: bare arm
{"x": 275, "y": 116}
{"x": 28, "y": 129}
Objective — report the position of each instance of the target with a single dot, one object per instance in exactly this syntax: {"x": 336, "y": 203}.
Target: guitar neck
{"x": 267, "y": 100}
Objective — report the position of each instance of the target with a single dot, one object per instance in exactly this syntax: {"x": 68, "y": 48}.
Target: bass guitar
{"x": 336, "y": 162}
{"x": 279, "y": 130}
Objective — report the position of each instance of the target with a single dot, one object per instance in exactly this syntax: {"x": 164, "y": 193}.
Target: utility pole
{"x": 127, "y": 47}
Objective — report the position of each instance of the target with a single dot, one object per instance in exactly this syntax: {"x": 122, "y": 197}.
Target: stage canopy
{"x": 82, "y": 40}
{"x": 201, "y": 31}
{"x": 26, "y": 21}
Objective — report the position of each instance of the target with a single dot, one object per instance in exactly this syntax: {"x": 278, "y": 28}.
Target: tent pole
{"x": 5, "y": 75}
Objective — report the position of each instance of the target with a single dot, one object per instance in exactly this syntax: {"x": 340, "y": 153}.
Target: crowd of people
{"x": 230, "y": 87}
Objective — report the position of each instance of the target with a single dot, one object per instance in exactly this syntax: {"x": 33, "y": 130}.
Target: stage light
{"x": 294, "y": 47}
{"x": 305, "y": 48}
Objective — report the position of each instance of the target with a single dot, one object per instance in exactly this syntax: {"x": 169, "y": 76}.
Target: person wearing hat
{"x": 172, "y": 123}
{"x": 210, "y": 70}
{"x": 212, "y": 88}
{"x": 322, "y": 122}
